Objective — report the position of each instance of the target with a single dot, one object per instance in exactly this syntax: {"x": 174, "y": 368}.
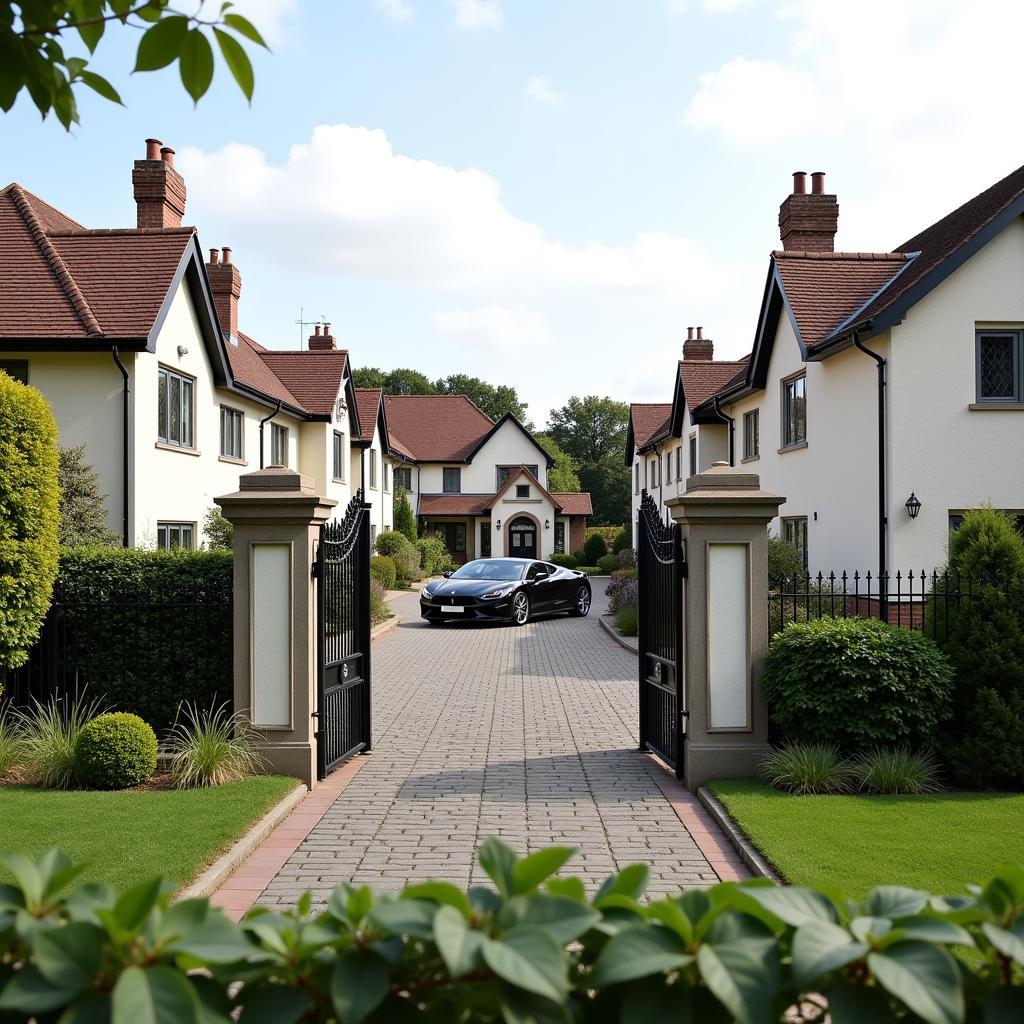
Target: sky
{"x": 546, "y": 193}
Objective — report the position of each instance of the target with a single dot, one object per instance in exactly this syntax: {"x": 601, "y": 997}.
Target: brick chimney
{"x": 697, "y": 347}
{"x": 159, "y": 188}
{"x": 226, "y": 285}
{"x": 321, "y": 341}
{"x": 808, "y": 223}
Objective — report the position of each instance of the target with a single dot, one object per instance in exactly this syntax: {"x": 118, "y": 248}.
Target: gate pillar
{"x": 276, "y": 516}
{"x": 723, "y": 517}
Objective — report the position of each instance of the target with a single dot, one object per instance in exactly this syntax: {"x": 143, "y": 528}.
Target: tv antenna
{"x": 302, "y": 324}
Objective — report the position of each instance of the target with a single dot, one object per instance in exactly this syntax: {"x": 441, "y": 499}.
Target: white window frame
{"x": 279, "y": 440}
{"x": 167, "y": 375}
{"x": 236, "y": 417}
{"x": 165, "y": 530}
{"x": 338, "y": 459}
{"x": 372, "y": 473}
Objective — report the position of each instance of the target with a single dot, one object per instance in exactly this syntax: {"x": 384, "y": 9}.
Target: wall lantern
{"x": 913, "y": 505}
{"x": 497, "y": 525}
{"x": 547, "y": 524}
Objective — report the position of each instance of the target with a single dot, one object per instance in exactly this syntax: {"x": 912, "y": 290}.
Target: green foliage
{"x": 406, "y": 555}
{"x": 783, "y": 559}
{"x": 32, "y": 57}
{"x": 625, "y": 574}
{"x": 496, "y": 401}
{"x": 590, "y": 570}
{"x": 434, "y": 554}
{"x": 563, "y": 476}
{"x": 990, "y": 750}
{"x": 12, "y": 743}
{"x": 29, "y": 516}
{"x": 609, "y": 533}
{"x": 115, "y": 751}
{"x": 390, "y": 542}
{"x": 405, "y": 520}
{"x": 379, "y": 610}
{"x": 857, "y": 683}
{"x": 623, "y": 540}
{"x": 627, "y": 558}
{"x": 817, "y": 768}
{"x": 83, "y": 511}
{"x": 382, "y": 569}
{"x": 50, "y": 735}
{"x": 608, "y": 564}
{"x": 149, "y": 629}
{"x": 627, "y": 620}
{"x": 211, "y": 748}
{"x": 896, "y": 770}
{"x": 218, "y": 531}
{"x": 595, "y": 548}
{"x": 566, "y": 561}
{"x": 532, "y": 948}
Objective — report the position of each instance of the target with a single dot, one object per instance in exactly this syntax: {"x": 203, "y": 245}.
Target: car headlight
{"x": 495, "y": 594}
{"x": 426, "y": 592}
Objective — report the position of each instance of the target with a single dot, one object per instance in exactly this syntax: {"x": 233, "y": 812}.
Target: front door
{"x": 522, "y": 538}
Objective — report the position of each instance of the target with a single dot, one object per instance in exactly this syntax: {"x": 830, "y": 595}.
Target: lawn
{"x": 128, "y": 837}
{"x": 938, "y": 843}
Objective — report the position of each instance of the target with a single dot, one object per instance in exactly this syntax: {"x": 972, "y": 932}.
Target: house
{"x": 371, "y": 461}
{"x": 885, "y": 391}
{"x": 480, "y": 484}
{"x": 135, "y": 341}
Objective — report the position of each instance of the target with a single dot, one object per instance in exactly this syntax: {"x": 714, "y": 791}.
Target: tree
{"x": 405, "y": 520}
{"x": 562, "y": 476}
{"x": 83, "y": 511}
{"x": 495, "y": 401}
{"x": 368, "y": 377}
{"x": 408, "y": 382}
{"x": 218, "y": 531}
{"x": 33, "y": 34}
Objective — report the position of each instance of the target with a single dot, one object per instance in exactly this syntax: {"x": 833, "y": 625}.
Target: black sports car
{"x": 510, "y": 589}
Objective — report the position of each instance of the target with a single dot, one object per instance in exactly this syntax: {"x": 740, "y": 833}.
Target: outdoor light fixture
{"x": 547, "y": 524}
{"x": 497, "y": 525}
{"x": 182, "y": 350}
{"x": 913, "y": 505}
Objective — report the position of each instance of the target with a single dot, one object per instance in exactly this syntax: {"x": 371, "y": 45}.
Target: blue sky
{"x": 547, "y": 193}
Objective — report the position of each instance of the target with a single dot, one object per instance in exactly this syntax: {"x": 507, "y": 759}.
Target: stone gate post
{"x": 724, "y": 517}
{"x": 276, "y": 516}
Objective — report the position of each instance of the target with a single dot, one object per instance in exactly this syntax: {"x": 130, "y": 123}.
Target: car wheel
{"x": 520, "y": 609}
{"x": 581, "y": 605}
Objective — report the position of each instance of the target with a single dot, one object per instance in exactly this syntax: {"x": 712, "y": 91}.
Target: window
{"x": 174, "y": 408}
{"x": 16, "y": 368}
{"x": 231, "y": 423}
{"x": 679, "y": 462}
{"x": 522, "y": 490}
{"x": 338, "y": 469}
{"x": 403, "y": 477}
{"x": 794, "y": 531}
{"x": 636, "y": 485}
{"x": 171, "y": 536}
{"x": 278, "y": 445}
{"x": 999, "y": 365}
{"x": 668, "y": 467}
{"x": 372, "y": 456}
{"x": 485, "y": 540}
{"x": 386, "y": 470}
{"x": 956, "y": 520}
{"x": 451, "y": 480}
{"x": 693, "y": 455}
{"x": 751, "y": 435}
{"x": 505, "y": 473}
{"x": 559, "y": 538}
{"x": 794, "y": 411}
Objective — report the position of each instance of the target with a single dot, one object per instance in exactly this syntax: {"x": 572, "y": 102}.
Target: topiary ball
{"x": 115, "y": 751}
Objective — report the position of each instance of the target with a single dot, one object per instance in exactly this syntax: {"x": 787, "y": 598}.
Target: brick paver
{"x": 529, "y": 734}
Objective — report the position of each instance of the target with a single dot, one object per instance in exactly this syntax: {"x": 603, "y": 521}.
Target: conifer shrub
{"x": 623, "y": 540}
{"x": 594, "y": 548}
{"x": 405, "y": 519}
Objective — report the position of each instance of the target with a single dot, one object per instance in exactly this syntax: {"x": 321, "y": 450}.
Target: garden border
{"x": 751, "y": 855}
{"x": 385, "y": 627}
{"x": 622, "y": 641}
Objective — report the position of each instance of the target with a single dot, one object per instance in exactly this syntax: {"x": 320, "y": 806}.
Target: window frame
{"x": 795, "y": 523}
{"x": 457, "y": 470}
{"x": 166, "y": 526}
{"x": 16, "y": 369}
{"x": 693, "y": 454}
{"x": 559, "y": 536}
{"x": 371, "y": 474}
{"x": 752, "y": 451}
{"x": 679, "y": 462}
{"x": 786, "y": 384}
{"x": 522, "y": 491}
{"x": 338, "y": 459}
{"x": 232, "y": 412}
{"x": 1017, "y": 338}
{"x": 485, "y": 539}
{"x": 163, "y": 427}
{"x": 385, "y": 472}
{"x": 636, "y": 475}
{"x": 406, "y": 472}
{"x": 277, "y": 431}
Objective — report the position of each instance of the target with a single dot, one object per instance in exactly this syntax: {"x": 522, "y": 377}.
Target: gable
{"x": 509, "y": 443}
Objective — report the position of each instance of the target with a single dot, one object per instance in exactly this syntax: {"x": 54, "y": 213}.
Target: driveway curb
{"x": 210, "y": 880}
{"x": 750, "y": 854}
{"x": 384, "y": 627}
{"x": 621, "y": 641}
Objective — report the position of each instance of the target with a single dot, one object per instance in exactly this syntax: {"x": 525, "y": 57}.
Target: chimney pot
{"x": 689, "y": 334}
{"x": 818, "y": 183}
{"x": 700, "y": 333}
{"x": 808, "y": 223}
{"x": 153, "y": 149}
{"x": 168, "y": 155}
{"x": 226, "y": 251}
{"x": 226, "y": 286}
{"x": 799, "y": 183}
{"x": 327, "y": 329}
{"x": 158, "y": 188}
{"x": 316, "y": 330}
{"x": 214, "y": 256}
{"x": 697, "y": 346}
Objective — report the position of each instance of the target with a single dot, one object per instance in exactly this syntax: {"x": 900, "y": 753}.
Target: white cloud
{"x": 472, "y": 15}
{"x": 540, "y": 89}
{"x": 396, "y": 10}
{"x": 495, "y": 328}
{"x": 269, "y": 16}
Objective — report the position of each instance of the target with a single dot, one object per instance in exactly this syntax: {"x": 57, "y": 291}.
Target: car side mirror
{"x": 447, "y": 574}
{"x": 541, "y": 576}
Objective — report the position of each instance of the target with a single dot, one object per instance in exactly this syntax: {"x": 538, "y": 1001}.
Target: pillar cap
{"x": 728, "y": 488}
{"x": 276, "y": 485}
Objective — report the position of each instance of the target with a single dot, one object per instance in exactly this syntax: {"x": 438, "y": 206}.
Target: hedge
{"x": 29, "y": 517}
{"x": 532, "y": 948}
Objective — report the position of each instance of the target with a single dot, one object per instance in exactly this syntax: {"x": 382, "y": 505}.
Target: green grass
{"x": 132, "y": 836}
{"x": 939, "y": 842}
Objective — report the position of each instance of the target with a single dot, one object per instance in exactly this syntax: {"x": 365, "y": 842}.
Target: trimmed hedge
{"x": 29, "y": 517}
{"x": 608, "y": 564}
{"x": 382, "y": 569}
{"x": 115, "y": 751}
{"x": 534, "y": 948}
{"x": 565, "y": 561}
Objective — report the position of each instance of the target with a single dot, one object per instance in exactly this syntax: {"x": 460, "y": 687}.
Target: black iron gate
{"x": 342, "y": 573}
{"x": 661, "y": 569}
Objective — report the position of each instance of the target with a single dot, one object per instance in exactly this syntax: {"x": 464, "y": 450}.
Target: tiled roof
{"x": 825, "y": 288}
{"x": 454, "y": 504}
{"x": 248, "y": 367}
{"x": 649, "y": 419}
{"x": 578, "y": 504}
{"x": 702, "y": 378}
{"x": 397, "y": 448}
{"x": 314, "y": 378}
{"x": 436, "y": 428}
{"x": 368, "y": 403}
{"x": 513, "y": 477}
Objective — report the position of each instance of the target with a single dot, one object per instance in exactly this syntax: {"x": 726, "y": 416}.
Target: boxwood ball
{"x": 115, "y": 751}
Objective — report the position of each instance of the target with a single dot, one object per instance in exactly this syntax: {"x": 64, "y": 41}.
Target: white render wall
{"x": 539, "y": 509}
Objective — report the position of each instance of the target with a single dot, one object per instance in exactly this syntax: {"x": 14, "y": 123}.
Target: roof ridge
{"x": 807, "y": 254}
{"x": 56, "y": 262}
{"x": 107, "y": 232}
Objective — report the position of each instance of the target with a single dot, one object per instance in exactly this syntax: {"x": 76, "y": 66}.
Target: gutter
{"x": 265, "y": 420}
{"x": 732, "y": 428}
{"x": 125, "y": 462}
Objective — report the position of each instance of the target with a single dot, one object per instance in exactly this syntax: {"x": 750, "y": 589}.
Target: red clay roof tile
{"x": 703, "y": 378}
{"x": 436, "y": 428}
{"x": 314, "y": 378}
{"x": 454, "y": 504}
{"x": 368, "y": 403}
{"x": 649, "y": 419}
{"x": 578, "y": 504}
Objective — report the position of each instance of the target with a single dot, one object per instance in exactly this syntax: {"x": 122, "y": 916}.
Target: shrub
{"x": 856, "y": 683}
{"x": 115, "y": 751}
{"x": 581, "y": 559}
{"x": 29, "y": 516}
{"x": 83, "y": 510}
{"x": 590, "y": 570}
{"x": 12, "y": 743}
{"x": 405, "y": 554}
{"x": 211, "y": 748}
{"x": 627, "y": 558}
{"x": 435, "y": 555}
{"x": 990, "y": 751}
{"x": 594, "y": 548}
{"x": 624, "y": 574}
{"x": 627, "y": 620}
{"x": 405, "y": 519}
{"x": 218, "y": 531}
{"x": 806, "y": 768}
{"x": 530, "y": 947}
{"x": 783, "y": 559}
{"x": 608, "y": 564}
{"x": 51, "y": 734}
{"x": 382, "y": 569}
{"x": 390, "y": 542}
{"x": 566, "y": 561}
{"x": 606, "y": 533}
{"x": 379, "y": 610}
{"x": 623, "y": 541}
{"x": 622, "y": 592}
{"x": 896, "y": 770}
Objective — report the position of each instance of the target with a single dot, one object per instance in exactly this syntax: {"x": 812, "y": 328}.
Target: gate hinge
{"x": 315, "y": 571}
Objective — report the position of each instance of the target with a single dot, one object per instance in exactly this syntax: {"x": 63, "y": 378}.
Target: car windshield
{"x": 489, "y": 569}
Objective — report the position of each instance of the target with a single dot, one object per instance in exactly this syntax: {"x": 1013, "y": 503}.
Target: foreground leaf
{"x": 529, "y": 959}
{"x": 359, "y": 983}
{"x": 637, "y": 953}
{"x": 745, "y": 982}
{"x": 459, "y": 945}
{"x": 820, "y": 947}
{"x": 153, "y": 995}
{"x": 925, "y": 979}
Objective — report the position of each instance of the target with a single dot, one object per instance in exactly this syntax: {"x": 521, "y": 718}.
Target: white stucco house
{"x": 134, "y": 340}
{"x": 875, "y": 377}
{"x": 480, "y": 484}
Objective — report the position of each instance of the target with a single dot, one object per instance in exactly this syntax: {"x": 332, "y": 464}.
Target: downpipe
{"x": 125, "y": 463}
{"x": 732, "y": 429}
{"x": 263, "y": 422}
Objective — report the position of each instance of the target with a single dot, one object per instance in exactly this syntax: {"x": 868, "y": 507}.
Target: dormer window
{"x": 522, "y": 490}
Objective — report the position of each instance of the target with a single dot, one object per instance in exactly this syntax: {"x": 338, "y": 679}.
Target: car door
{"x": 543, "y": 589}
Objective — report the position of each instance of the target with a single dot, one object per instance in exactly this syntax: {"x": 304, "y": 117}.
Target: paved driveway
{"x": 529, "y": 734}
